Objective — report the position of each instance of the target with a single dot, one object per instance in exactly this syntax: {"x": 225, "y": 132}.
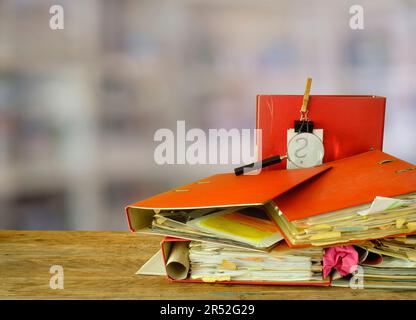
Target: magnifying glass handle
{"x": 263, "y": 163}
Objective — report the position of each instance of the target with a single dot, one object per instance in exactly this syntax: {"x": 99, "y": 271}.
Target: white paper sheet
{"x": 381, "y": 204}
{"x": 154, "y": 266}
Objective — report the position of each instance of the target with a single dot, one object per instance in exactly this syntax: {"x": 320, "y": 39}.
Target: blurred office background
{"x": 79, "y": 106}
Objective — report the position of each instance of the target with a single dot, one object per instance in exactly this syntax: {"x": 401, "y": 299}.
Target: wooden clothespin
{"x": 303, "y": 124}
{"x": 304, "y": 108}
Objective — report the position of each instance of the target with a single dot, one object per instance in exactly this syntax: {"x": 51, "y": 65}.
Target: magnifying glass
{"x": 304, "y": 150}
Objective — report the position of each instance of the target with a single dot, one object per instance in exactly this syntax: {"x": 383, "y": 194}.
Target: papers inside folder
{"x": 196, "y": 261}
{"x": 222, "y": 208}
{"x": 211, "y": 262}
{"x": 345, "y": 204}
{"x": 246, "y": 227}
{"x": 349, "y": 225}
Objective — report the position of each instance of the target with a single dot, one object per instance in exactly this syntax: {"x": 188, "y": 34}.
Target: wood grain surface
{"x": 102, "y": 265}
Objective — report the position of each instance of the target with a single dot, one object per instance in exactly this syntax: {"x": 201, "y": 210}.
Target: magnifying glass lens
{"x": 305, "y": 150}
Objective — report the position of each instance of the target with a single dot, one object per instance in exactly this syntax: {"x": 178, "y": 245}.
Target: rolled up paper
{"x": 177, "y": 266}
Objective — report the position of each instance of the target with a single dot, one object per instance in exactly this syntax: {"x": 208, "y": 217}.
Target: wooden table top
{"x": 102, "y": 265}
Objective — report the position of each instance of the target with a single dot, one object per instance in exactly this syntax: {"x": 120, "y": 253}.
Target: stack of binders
{"x": 278, "y": 227}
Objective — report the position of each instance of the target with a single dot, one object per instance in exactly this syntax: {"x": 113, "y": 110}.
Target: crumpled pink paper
{"x": 343, "y": 258}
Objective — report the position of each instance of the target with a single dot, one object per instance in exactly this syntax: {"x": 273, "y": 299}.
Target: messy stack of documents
{"x": 278, "y": 227}
{"x": 340, "y": 213}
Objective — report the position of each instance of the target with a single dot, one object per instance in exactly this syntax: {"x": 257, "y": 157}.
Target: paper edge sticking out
{"x": 381, "y": 204}
{"x": 154, "y": 266}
